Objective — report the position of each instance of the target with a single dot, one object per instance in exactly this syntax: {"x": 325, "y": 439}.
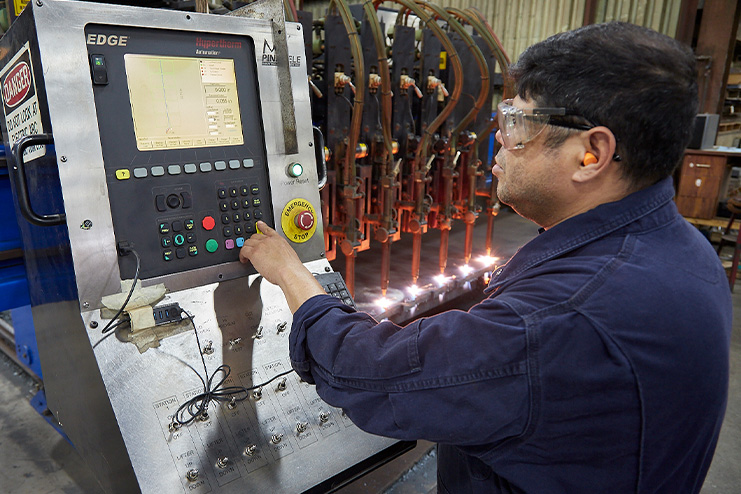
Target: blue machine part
{"x": 14, "y": 294}
{"x": 13, "y": 281}
{"x": 25, "y": 339}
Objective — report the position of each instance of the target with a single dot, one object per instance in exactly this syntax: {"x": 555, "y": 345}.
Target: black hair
{"x": 640, "y": 84}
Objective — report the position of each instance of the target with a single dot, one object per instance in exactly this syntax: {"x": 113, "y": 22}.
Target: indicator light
{"x": 295, "y": 170}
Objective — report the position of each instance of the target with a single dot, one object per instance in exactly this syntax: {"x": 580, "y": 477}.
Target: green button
{"x": 211, "y": 245}
{"x": 179, "y": 239}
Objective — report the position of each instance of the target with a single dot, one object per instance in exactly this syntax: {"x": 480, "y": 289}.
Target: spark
{"x": 384, "y": 302}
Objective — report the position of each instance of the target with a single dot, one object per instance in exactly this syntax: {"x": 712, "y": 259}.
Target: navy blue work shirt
{"x": 597, "y": 364}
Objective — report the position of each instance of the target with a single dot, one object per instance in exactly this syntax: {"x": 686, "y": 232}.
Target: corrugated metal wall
{"x": 520, "y": 23}
{"x": 659, "y": 15}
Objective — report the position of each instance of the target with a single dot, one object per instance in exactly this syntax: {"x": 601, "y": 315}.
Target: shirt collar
{"x": 585, "y": 228}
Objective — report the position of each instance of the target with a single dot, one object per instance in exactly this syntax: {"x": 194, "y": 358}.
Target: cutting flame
{"x": 414, "y": 290}
{"x": 441, "y": 279}
{"x": 487, "y": 260}
{"x": 466, "y": 269}
{"x": 384, "y": 302}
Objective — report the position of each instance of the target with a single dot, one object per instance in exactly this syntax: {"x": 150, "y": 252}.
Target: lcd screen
{"x": 181, "y": 102}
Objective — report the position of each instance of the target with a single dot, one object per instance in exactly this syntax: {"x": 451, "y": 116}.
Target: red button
{"x": 304, "y": 220}
{"x": 208, "y": 223}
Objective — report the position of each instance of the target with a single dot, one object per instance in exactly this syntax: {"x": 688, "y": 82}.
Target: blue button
{"x": 158, "y": 171}
{"x": 240, "y": 241}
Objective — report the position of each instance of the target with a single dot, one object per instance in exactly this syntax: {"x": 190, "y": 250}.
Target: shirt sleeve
{"x": 457, "y": 377}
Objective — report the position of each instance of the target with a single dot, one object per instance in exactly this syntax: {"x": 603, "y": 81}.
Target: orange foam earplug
{"x": 589, "y": 159}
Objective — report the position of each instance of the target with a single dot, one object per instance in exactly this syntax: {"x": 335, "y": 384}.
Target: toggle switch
{"x": 98, "y": 69}
{"x": 281, "y": 385}
{"x": 192, "y": 475}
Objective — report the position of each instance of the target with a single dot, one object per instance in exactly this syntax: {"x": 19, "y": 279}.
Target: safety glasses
{"x": 520, "y": 125}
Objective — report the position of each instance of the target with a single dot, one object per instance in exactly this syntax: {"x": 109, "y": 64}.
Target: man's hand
{"x": 278, "y": 263}
{"x": 271, "y": 255}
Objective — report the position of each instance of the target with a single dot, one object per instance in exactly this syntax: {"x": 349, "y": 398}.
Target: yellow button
{"x": 123, "y": 174}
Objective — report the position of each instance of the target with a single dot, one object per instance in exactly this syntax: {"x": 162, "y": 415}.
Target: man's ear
{"x": 598, "y": 155}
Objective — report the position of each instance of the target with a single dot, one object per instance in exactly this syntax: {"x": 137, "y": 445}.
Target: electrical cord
{"x": 109, "y": 327}
{"x": 198, "y": 405}
{"x": 411, "y": 115}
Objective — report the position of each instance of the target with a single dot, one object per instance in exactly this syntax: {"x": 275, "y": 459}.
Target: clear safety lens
{"x": 518, "y": 126}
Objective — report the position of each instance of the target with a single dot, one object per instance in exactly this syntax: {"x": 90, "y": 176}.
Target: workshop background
{"x": 411, "y": 232}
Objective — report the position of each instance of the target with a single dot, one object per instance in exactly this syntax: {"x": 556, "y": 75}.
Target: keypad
{"x": 334, "y": 285}
{"x": 239, "y": 206}
{"x": 174, "y": 236}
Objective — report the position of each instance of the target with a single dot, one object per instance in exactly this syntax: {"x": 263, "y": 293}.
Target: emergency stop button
{"x": 208, "y": 223}
{"x": 298, "y": 220}
{"x": 304, "y": 220}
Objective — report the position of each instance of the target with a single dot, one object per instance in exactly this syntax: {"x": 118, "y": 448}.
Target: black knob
{"x": 173, "y": 201}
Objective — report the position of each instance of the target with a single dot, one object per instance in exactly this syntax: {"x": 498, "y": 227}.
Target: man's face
{"x": 529, "y": 178}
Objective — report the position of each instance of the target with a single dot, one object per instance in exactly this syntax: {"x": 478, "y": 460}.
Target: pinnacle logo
{"x": 268, "y": 54}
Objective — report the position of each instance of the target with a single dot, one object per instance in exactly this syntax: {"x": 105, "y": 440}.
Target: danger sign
{"x": 20, "y": 101}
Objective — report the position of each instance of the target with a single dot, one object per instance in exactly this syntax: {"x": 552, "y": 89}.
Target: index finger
{"x": 264, "y": 228}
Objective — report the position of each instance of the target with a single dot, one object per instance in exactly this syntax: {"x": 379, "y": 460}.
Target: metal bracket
{"x": 274, "y": 10}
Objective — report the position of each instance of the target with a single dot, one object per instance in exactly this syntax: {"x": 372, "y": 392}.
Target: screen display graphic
{"x": 182, "y": 102}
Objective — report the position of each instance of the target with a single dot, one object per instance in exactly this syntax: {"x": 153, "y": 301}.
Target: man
{"x": 599, "y": 361}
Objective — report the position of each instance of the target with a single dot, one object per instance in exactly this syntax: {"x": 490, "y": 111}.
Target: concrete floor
{"x": 37, "y": 460}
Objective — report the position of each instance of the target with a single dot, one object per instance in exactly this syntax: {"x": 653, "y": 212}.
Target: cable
{"x": 411, "y": 115}
{"x": 109, "y": 326}
{"x": 348, "y": 100}
{"x": 198, "y": 405}
{"x": 378, "y": 112}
